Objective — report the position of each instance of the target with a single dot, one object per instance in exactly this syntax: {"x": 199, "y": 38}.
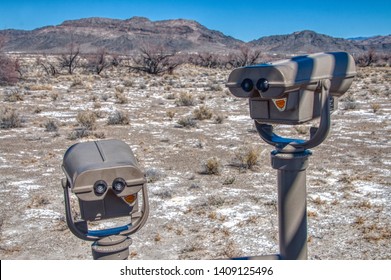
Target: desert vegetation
{"x": 212, "y": 189}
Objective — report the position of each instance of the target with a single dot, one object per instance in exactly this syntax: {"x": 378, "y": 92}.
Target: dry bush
{"x": 155, "y": 60}
{"x": 367, "y": 59}
{"x": 9, "y": 118}
{"x": 118, "y": 118}
{"x": 243, "y": 57}
{"x": 71, "y": 59}
{"x": 51, "y": 126}
{"x": 185, "y": 99}
{"x": 98, "y": 61}
{"x": 375, "y": 107}
{"x": 208, "y": 60}
{"x": 37, "y": 87}
{"x": 153, "y": 175}
{"x": 120, "y": 98}
{"x": 202, "y": 113}
{"x": 13, "y": 95}
{"x": 246, "y": 157}
{"x": 9, "y": 68}
{"x": 187, "y": 122}
{"x": 170, "y": 114}
{"x": 211, "y": 167}
{"x": 219, "y": 119}
{"x": 47, "y": 65}
{"x": 87, "y": 119}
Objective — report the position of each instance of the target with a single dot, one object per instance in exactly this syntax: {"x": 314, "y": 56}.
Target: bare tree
{"x": 155, "y": 60}
{"x": 244, "y": 57}
{"x": 208, "y": 60}
{"x": 98, "y": 61}
{"x": 48, "y": 66}
{"x": 116, "y": 60}
{"x": 367, "y": 59}
{"x": 71, "y": 59}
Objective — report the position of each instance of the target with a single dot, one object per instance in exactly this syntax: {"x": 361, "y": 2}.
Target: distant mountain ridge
{"x": 188, "y": 36}
{"x": 308, "y": 41}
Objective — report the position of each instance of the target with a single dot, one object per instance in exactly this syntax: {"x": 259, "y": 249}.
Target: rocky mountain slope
{"x": 119, "y": 36}
{"x": 125, "y": 36}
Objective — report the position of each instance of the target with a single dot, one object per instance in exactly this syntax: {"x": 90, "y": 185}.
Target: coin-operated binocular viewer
{"x": 293, "y": 91}
{"x": 108, "y": 183}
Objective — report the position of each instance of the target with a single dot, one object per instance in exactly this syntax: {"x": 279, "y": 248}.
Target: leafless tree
{"x": 98, "y": 61}
{"x": 48, "y": 66}
{"x": 71, "y": 59}
{"x": 116, "y": 60}
{"x": 245, "y": 56}
{"x": 207, "y": 59}
{"x": 367, "y": 59}
{"x": 155, "y": 60}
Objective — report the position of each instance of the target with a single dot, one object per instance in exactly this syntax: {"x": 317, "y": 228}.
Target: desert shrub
{"x": 375, "y": 107}
{"x": 215, "y": 87}
{"x": 9, "y": 118}
{"x": 51, "y": 126}
{"x": 87, "y": 119}
{"x": 187, "y": 122}
{"x": 155, "y": 60}
{"x": 211, "y": 167}
{"x": 153, "y": 175}
{"x": 367, "y": 59}
{"x": 208, "y": 60}
{"x": 79, "y": 133}
{"x": 37, "y": 87}
{"x": 105, "y": 97}
{"x": 118, "y": 118}
{"x": 121, "y": 98}
{"x": 185, "y": 99}
{"x": 244, "y": 56}
{"x": 13, "y": 95}
{"x": 215, "y": 201}
{"x": 349, "y": 105}
{"x": 54, "y": 96}
{"x": 170, "y": 114}
{"x": 246, "y": 157}
{"x": 202, "y": 113}
{"x": 98, "y": 61}
{"x": 128, "y": 83}
{"x": 219, "y": 119}
{"x": 171, "y": 96}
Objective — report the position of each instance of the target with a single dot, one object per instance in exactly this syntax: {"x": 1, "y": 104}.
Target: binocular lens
{"x": 247, "y": 85}
{"x": 263, "y": 85}
{"x": 100, "y": 187}
{"x": 119, "y": 184}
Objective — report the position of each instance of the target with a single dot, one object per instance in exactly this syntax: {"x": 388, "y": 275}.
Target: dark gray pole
{"x": 292, "y": 203}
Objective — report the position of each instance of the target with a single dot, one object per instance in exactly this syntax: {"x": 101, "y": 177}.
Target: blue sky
{"x": 244, "y": 20}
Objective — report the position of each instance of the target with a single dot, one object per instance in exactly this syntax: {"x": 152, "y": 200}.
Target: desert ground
{"x": 213, "y": 193}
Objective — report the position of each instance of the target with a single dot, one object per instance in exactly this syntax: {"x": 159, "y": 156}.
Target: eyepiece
{"x": 247, "y": 85}
{"x": 263, "y": 85}
{"x": 100, "y": 187}
{"x": 119, "y": 184}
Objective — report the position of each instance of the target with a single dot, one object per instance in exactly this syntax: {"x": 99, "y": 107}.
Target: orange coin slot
{"x": 280, "y": 103}
{"x": 130, "y": 198}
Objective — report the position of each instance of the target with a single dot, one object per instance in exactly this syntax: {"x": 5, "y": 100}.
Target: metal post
{"x": 115, "y": 247}
{"x": 292, "y": 203}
